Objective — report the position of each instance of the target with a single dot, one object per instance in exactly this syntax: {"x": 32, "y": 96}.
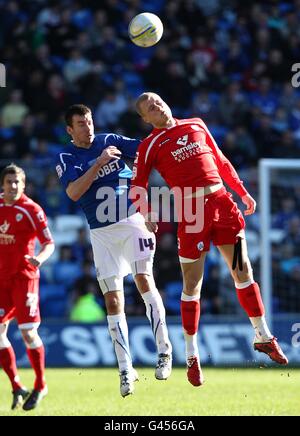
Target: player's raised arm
{"x": 226, "y": 169}
{"x": 128, "y": 146}
{"x": 230, "y": 176}
{"x": 78, "y": 187}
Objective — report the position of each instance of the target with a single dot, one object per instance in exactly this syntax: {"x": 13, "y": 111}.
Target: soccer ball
{"x": 145, "y": 29}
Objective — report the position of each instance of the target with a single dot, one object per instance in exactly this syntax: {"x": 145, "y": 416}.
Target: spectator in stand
{"x": 108, "y": 112}
{"x": 53, "y": 199}
{"x": 82, "y": 246}
{"x": 67, "y": 269}
{"x": 233, "y": 105}
{"x": 286, "y": 213}
{"x": 84, "y": 297}
{"x": 13, "y": 112}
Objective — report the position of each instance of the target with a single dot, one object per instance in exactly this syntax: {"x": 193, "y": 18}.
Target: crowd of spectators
{"x": 229, "y": 62}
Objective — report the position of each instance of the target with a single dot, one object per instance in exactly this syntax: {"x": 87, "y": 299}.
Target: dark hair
{"x": 12, "y": 169}
{"x": 76, "y": 109}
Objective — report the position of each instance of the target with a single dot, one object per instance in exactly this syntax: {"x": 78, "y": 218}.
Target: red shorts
{"x": 19, "y": 298}
{"x": 222, "y": 223}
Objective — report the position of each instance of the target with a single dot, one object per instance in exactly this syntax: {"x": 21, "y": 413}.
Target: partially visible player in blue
{"x": 93, "y": 172}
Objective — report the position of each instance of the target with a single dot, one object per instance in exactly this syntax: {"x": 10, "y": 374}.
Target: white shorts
{"x": 118, "y": 248}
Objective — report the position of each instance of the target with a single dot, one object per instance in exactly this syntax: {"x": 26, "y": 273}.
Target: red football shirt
{"x": 186, "y": 155}
{"x": 20, "y": 224}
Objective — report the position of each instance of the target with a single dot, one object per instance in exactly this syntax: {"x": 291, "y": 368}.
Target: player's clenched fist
{"x": 107, "y": 154}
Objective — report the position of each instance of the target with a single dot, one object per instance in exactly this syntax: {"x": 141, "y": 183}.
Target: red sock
{"x": 9, "y": 365}
{"x": 37, "y": 359}
{"x": 250, "y": 300}
{"x": 190, "y": 316}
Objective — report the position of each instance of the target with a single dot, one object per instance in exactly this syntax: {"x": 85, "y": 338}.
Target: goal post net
{"x": 279, "y": 211}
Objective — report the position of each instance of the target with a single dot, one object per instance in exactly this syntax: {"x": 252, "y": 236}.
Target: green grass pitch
{"x": 82, "y": 392}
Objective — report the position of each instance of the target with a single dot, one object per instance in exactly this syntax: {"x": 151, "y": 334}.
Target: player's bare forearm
{"x": 76, "y": 189}
{"x": 42, "y": 256}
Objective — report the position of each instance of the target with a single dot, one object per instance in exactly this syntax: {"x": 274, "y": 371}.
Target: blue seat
{"x": 54, "y": 308}
{"x": 66, "y": 272}
{"x": 173, "y": 295}
{"x": 53, "y": 301}
{"x": 51, "y": 291}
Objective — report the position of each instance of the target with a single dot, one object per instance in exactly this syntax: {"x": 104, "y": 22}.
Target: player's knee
{"x": 143, "y": 282}
{"x": 192, "y": 286}
{"x": 113, "y": 303}
{"x": 30, "y": 336}
{"x": 244, "y": 275}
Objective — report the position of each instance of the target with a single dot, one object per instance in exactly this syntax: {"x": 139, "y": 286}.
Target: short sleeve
{"x": 40, "y": 224}
{"x": 65, "y": 169}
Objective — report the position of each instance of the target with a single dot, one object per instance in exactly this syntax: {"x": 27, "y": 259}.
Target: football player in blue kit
{"x": 94, "y": 174}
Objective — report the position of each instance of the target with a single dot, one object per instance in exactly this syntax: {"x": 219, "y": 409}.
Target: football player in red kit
{"x": 21, "y": 222}
{"x": 186, "y": 155}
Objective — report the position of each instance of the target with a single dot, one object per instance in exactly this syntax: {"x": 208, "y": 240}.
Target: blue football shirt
{"x": 106, "y": 201}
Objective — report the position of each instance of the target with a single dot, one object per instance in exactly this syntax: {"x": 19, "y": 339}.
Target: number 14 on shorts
{"x": 146, "y": 243}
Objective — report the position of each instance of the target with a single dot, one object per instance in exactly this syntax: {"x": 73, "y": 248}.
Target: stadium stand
{"x": 227, "y": 62}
